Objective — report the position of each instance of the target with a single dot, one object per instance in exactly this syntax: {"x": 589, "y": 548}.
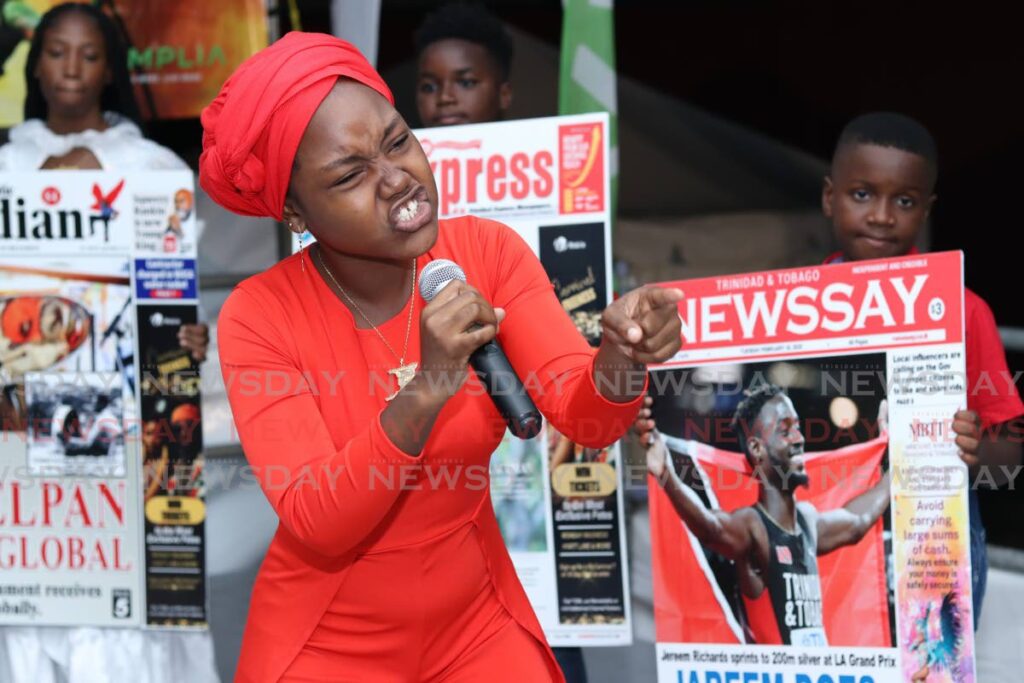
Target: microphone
{"x": 489, "y": 362}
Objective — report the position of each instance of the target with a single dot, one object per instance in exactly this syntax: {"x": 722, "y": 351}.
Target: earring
{"x": 302, "y": 247}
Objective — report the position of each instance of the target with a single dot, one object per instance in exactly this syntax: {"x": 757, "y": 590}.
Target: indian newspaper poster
{"x": 559, "y": 505}
{"x": 92, "y": 264}
{"x": 808, "y": 505}
{"x": 178, "y": 53}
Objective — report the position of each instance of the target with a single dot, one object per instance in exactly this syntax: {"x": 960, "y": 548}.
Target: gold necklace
{"x": 404, "y": 372}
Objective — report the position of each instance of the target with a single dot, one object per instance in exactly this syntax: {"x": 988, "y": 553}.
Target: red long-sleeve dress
{"x": 385, "y": 566}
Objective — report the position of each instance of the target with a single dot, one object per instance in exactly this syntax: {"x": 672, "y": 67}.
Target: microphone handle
{"x": 506, "y": 390}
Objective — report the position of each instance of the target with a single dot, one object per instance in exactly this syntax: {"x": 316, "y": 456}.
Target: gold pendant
{"x": 404, "y": 375}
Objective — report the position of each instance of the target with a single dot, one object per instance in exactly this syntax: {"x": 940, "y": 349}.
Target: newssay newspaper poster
{"x": 808, "y": 505}
{"x": 559, "y": 505}
{"x": 101, "y": 510}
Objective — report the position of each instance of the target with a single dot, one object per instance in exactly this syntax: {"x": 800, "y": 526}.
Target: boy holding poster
{"x": 878, "y": 195}
{"x": 941, "y": 352}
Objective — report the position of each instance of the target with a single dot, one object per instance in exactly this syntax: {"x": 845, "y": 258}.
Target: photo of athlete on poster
{"x": 746, "y": 468}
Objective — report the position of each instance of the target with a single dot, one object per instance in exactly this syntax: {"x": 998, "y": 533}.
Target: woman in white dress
{"x": 80, "y": 114}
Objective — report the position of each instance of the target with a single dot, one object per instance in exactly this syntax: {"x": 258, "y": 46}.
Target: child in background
{"x": 878, "y": 196}
{"x": 465, "y": 56}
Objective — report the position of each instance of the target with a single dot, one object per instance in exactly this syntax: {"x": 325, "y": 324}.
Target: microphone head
{"x": 436, "y": 275}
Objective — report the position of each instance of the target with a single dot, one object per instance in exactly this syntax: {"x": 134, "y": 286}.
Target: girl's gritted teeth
{"x": 409, "y": 210}
{"x": 412, "y": 214}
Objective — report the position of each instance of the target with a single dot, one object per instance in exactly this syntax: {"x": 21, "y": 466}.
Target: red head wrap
{"x": 252, "y": 129}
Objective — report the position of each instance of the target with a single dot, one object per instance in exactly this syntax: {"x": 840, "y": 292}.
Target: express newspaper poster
{"x": 559, "y": 505}
{"x": 179, "y": 53}
{"x": 100, "y": 505}
{"x": 808, "y": 506}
